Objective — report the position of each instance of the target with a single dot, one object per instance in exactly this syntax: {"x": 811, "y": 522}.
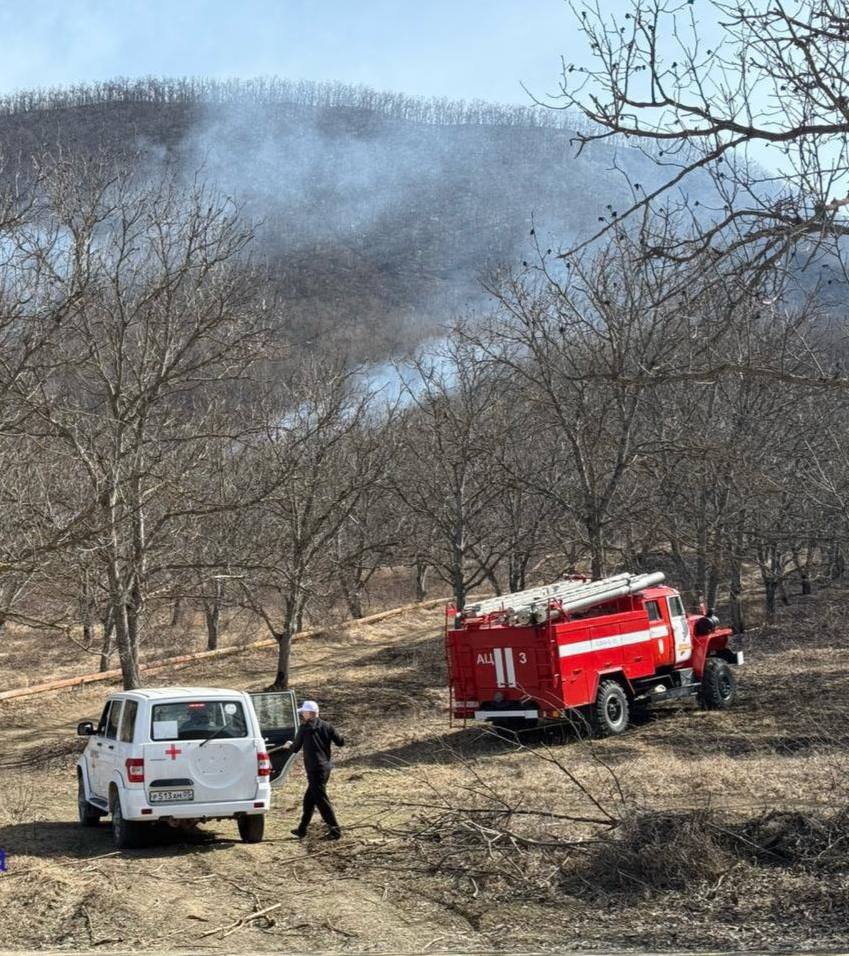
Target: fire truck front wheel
{"x": 609, "y": 714}
{"x": 719, "y": 686}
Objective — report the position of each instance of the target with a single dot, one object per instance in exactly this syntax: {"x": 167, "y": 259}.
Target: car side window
{"x": 128, "y": 721}
{"x": 101, "y": 724}
{"x": 114, "y": 718}
{"x": 653, "y": 609}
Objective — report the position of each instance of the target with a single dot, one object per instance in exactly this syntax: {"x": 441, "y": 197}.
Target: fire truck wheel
{"x": 609, "y": 713}
{"x": 719, "y": 686}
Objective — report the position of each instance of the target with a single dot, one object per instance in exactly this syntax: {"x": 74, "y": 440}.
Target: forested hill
{"x": 379, "y": 213}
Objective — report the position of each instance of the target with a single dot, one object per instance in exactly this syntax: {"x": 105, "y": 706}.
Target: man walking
{"x": 315, "y": 736}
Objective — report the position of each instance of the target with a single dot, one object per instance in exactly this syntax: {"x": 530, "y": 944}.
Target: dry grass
{"x": 695, "y": 829}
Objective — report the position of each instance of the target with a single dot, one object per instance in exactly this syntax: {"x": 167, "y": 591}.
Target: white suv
{"x": 179, "y": 755}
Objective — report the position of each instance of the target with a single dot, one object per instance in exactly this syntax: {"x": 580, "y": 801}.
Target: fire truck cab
{"x": 590, "y": 648}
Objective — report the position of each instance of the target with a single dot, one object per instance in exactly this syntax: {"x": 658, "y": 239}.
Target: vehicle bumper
{"x": 507, "y": 714}
{"x": 135, "y": 801}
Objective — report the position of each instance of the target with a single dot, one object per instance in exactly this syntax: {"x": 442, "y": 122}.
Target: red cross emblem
{"x": 172, "y": 752}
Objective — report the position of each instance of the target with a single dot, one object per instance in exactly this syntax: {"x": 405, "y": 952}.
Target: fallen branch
{"x": 239, "y": 923}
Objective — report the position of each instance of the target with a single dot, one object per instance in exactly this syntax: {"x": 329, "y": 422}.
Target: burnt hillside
{"x": 379, "y": 214}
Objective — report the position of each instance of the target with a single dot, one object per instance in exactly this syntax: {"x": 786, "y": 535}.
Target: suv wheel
{"x": 719, "y": 686}
{"x": 251, "y": 827}
{"x": 128, "y": 834}
{"x": 609, "y": 713}
{"x": 89, "y": 815}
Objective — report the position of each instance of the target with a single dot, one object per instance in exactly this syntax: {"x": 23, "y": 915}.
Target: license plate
{"x": 171, "y": 796}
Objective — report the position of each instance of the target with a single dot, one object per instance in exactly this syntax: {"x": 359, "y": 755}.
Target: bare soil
{"x": 727, "y": 834}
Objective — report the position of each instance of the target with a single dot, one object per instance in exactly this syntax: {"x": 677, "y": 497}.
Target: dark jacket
{"x": 315, "y": 737}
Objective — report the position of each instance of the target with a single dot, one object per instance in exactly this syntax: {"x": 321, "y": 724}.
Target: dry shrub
{"x": 538, "y": 855}
{"x": 816, "y": 842}
{"x": 682, "y": 850}
{"x": 653, "y": 852}
{"x": 18, "y": 801}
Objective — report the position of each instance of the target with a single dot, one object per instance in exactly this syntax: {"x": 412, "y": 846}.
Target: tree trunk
{"x": 284, "y": 647}
{"x": 458, "y": 565}
{"x": 293, "y": 612}
{"x": 735, "y": 596}
{"x": 355, "y": 604}
{"x": 422, "y": 571}
{"x": 106, "y": 646}
{"x": 177, "y": 612}
{"x": 596, "y": 539}
{"x": 490, "y": 576}
{"x": 459, "y": 587}
{"x": 212, "y": 613}
{"x": 516, "y": 573}
{"x": 770, "y": 590}
{"x": 123, "y": 633}
{"x": 836, "y": 564}
{"x": 134, "y": 631}
{"x": 353, "y": 592}
{"x": 712, "y": 587}
{"x": 126, "y": 655}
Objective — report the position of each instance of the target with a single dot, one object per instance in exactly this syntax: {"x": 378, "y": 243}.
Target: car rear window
{"x": 196, "y": 720}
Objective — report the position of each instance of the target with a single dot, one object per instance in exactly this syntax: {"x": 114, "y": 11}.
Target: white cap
{"x": 308, "y": 706}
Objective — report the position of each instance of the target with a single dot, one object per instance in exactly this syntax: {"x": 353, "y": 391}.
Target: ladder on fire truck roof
{"x": 570, "y": 594}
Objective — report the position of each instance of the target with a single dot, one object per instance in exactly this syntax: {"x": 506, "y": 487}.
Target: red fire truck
{"x": 590, "y": 648}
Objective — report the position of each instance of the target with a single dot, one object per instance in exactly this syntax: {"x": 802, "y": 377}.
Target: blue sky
{"x": 457, "y": 48}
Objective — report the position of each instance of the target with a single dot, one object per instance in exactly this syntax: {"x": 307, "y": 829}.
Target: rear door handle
{"x": 111, "y": 746}
{"x": 99, "y": 744}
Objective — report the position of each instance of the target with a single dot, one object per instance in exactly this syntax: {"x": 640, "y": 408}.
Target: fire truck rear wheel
{"x": 719, "y": 686}
{"x": 509, "y": 728}
{"x": 609, "y": 713}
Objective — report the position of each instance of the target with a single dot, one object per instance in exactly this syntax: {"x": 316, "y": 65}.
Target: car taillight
{"x": 263, "y": 764}
{"x": 135, "y": 770}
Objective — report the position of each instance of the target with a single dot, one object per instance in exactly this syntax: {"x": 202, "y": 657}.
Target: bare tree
{"x": 445, "y": 475}
{"x": 772, "y": 92}
{"x": 585, "y": 346}
{"x": 155, "y": 313}
{"x": 318, "y": 455}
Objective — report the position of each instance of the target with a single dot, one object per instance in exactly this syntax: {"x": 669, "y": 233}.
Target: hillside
{"x": 378, "y": 215}
{"x": 728, "y": 832}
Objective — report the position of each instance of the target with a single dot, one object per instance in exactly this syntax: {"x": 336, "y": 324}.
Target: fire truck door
{"x": 680, "y": 629}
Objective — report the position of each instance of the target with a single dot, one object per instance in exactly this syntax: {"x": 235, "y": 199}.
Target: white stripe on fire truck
{"x": 604, "y": 643}
{"x": 659, "y": 630}
{"x": 511, "y": 667}
{"x": 499, "y": 666}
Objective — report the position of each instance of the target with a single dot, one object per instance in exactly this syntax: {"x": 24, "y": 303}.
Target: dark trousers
{"x": 316, "y": 796}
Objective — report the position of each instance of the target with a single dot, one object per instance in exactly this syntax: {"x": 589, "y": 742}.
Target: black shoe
{"x": 299, "y": 833}
{"x": 334, "y": 835}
